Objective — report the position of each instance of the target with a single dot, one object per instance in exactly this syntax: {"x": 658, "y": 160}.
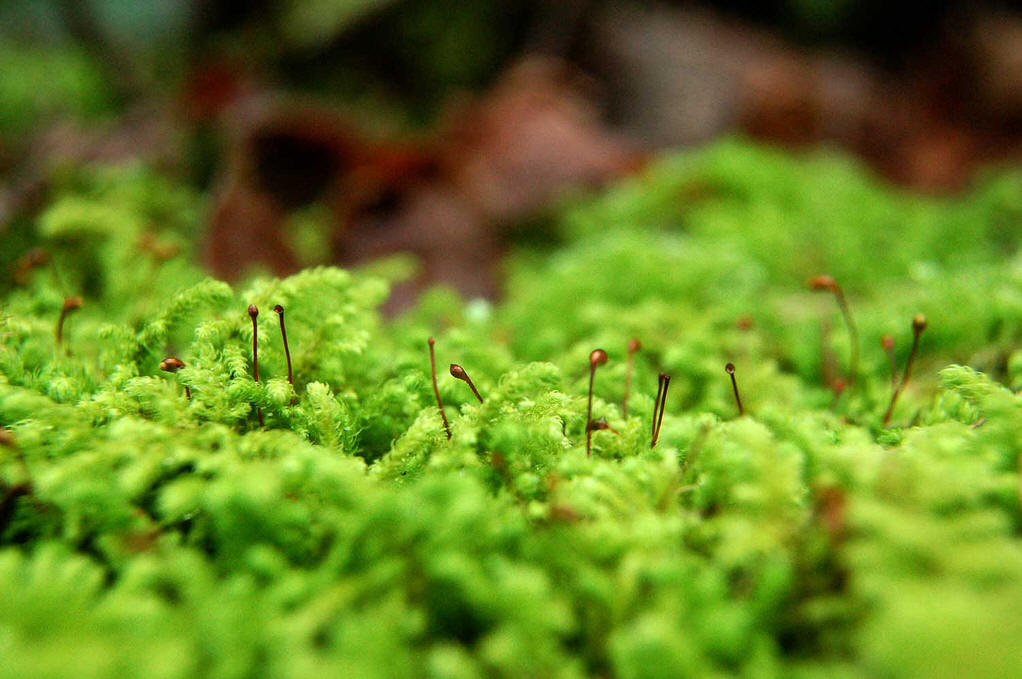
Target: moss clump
{"x": 144, "y": 533}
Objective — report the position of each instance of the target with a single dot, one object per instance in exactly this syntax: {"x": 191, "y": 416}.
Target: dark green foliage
{"x": 144, "y": 534}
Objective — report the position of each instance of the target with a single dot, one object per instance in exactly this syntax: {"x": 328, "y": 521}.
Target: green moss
{"x": 146, "y": 534}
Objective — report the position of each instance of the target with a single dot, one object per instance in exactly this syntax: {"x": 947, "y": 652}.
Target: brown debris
{"x": 449, "y": 201}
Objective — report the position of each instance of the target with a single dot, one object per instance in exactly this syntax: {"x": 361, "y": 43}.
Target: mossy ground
{"x": 146, "y": 535}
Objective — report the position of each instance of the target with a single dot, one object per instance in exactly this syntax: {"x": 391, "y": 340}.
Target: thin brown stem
{"x": 71, "y": 304}
{"x": 730, "y": 369}
{"x": 828, "y": 363}
{"x": 656, "y": 407}
{"x": 596, "y": 358}
{"x": 459, "y": 373}
{"x": 663, "y": 406}
{"x": 824, "y": 282}
{"x": 853, "y": 337}
{"x": 663, "y": 381}
{"x": 918, "y": 326}
{"x": 436, "y": 390}
{"x": 633, "y": 346}
{"x": 287, "y": 351}
{"x": 253, "y": 312}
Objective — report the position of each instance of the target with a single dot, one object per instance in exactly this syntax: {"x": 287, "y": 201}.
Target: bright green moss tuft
{"x": 147, "y": 533}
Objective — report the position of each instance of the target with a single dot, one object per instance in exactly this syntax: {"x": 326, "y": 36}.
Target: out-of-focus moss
{"x": 40, "y": 83}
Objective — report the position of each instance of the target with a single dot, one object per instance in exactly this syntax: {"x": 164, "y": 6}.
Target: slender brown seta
{"x": 633, "y": 345}
{"x": 918, "y": 326}
{"x": 730, "y": 370}
{"x": 827, "y": 283}
{"x": 596, "y": 358}
{"x": 253, "y": 313}
{"x": 828, "y": 363}
{"x": 436, "y": 390}
{"x": 656, "y": 406}
{"x": 172, "y": 364}
{"x": 71, "y": 304}
{"x": 659, "y": 405}
{"x": 458, "y": 372}
{"x": 888, "y": 343}
{"x": 287, "y": 352}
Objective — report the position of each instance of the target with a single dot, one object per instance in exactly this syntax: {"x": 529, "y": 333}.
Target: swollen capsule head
{"x": 918, "y": 323}
{"x": 72, "y": 303}
{"x": 253, "y": 311}
{"x": 458, "y": 372}
{"x": 634, "y": 345}
{"x": 171, "y": 364}
{"x": 822, "y": 282}
{"x": 598, "y": 357}
{"x": 729, "y": 368}
{"x": 887, "y": 341}
{"x": 279, "y": 309}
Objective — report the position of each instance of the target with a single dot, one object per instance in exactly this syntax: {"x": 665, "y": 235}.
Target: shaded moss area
{"x": 145, "y": 533}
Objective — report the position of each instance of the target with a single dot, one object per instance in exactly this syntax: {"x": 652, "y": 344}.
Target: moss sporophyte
{"x": 918, "y": 326}
{"x": 71, "y": 304}
{"x": 253, "y": 313}
{"x": 730, "y": 370}
{"x": 827, "y": 283}
{"x": 598, "y": 357}
{"x": 148, "y": 535}
{"x": 436, "y": 390}
{"x": 659, "y": 405}
{"x": 283, "y": 336}
{"x": 172, "y": 364}
{"x": 459, "y": 373}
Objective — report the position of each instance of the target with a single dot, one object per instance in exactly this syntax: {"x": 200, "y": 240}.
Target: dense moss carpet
{"x": 146, "y": 533}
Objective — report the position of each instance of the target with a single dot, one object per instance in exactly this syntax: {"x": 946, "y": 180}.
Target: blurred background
{"x": 336, "y": 131}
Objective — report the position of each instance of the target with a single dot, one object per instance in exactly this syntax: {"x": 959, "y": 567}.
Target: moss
{"x": 147, "y": 533}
